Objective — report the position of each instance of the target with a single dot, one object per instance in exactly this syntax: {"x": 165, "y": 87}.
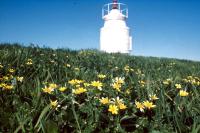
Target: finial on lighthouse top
{"x": 115, "y": 6}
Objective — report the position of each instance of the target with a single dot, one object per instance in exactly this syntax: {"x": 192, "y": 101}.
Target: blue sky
{"x": 162, "y": 28}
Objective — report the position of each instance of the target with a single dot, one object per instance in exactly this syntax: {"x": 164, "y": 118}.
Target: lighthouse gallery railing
{"x": 121, "y": 7}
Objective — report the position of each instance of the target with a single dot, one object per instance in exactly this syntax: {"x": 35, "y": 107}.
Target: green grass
{"x": 27, "y": 108}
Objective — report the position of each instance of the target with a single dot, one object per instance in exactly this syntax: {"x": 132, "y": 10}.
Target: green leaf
{"x": 42, "y": 115}
{"x": 51, "y": 127}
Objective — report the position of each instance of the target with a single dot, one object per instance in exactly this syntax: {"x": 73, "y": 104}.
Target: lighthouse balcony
{"x": 120, "y": 7}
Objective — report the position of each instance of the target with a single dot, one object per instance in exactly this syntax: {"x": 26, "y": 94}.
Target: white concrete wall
{"x": 115, "y": 35}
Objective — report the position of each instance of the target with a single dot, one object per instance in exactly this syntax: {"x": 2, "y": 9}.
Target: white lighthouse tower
{"x": 115, "y": 35}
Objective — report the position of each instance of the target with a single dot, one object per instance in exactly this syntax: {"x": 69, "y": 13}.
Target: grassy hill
{"x": 46, "y": 90}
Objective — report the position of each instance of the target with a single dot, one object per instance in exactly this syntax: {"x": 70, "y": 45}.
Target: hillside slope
{"x": 46, "y": 90}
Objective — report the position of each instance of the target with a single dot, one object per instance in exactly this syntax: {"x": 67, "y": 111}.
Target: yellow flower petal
{"x": 113, "y": 109}
{"x": 183, "y": 93}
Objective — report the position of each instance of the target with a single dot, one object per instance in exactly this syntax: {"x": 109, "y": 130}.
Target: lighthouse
{"x": 115, "y": 34}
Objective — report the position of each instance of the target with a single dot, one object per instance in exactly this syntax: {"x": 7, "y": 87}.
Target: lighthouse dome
{"x": 114, "y": 14}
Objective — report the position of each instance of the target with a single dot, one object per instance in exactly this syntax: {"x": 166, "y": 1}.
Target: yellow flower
{"x": 104, "y": 100}
{"x": 67, "y": 65}
{"x": 119, "y": 80}
{"x": 116, "y": 86}
{"x": 116, "y": 68}
{"x": 178, "y": 86}
{"x": 128, "y": 91}
{"x": 153, "y": 97}
{"x": 142, "y": 83}
{"x": 189, "y": 77}
{"x": 193, "y": 81}
{"x": 148, "y": 104}
{"x": 101, "y": 76}
{"x": 20, "y": 79}
{"x": 11, "y": 70}
{"x": 52, "y": 61}
{"x": 139, "y": 72}
{"x": 113, "y": 109}
{"x": 97, "y": 84}
{"x": 7, "y": 87}
{"x": 77, "y": 86}
{"x": 127, "y": 68}
{"x": 48, "y": 90}
{"x": 62, "y": 89}
{"x": 198, "y": 83}
{"x": 52, "y": 85}
{"x": 76, "y": 69}
{"x": 72, "y": 82}
{"x": 122, "y": 106}
{"x": 185, "y": 80}
{"x": 1, "y": 66}
{"x": 183, "y": 93}
{"x": 54, "y": 104}
{"x": 167, "y": 81}
{"x": 118, "y": 100}
{"x": 79, "y": 81}
{"x": 10, "y": 76}
{"x": 75, "y": 81}
{"x": 5, "y": 78}
{"x": 79, "y": 91}
{"x": 86, "y": 84}
{"x": 139, "y": 106}
{"x": 29, "y": 62}
{"x": 2, "y": 85}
